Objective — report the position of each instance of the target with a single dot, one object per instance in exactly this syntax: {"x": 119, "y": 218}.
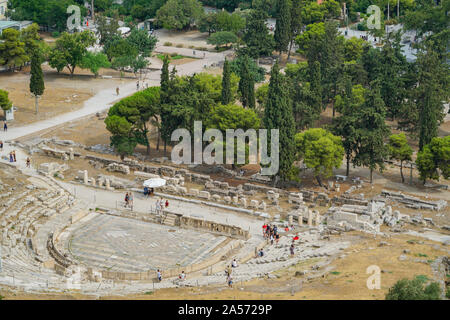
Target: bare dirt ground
{"x": 62, "y": 94}
{"x": 187, "y": 39}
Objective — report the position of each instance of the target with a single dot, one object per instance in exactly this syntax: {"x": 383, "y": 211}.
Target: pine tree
{"x": 37, "y": 86}
{"x": 226, "y": 83}
{"x": 283, "y": 26}
{"x": 278, "y": 115}
{"x": 247, "y": 85}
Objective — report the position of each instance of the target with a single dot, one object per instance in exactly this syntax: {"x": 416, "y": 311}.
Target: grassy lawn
{"x": 171, "y": 57}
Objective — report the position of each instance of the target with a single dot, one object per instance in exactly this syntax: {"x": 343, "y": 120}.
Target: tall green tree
{"x": 278, "y": 115}
{"x": 371, "y": 132}
{"x": 432, "y": 90}
{"x": 282, "y": 34}
{"x": 179, "y": 14}
{"x": 5, "y": 103}
{"x": 247, "y": 86}
{"x": 70, "y": 49}
{"x": 296, "y": 22}
{"x": 400, "y": 150}
{"x": 259, "y": 42}
{"x": 37, "y": 86}
{"x": 434, "y": 159}
{"x": 226, "y": 83}
{"x": 345, "y": 125}
{"x": 12, "y": 49}
{"x": 107, "y": 28}
{"x": 320, "y": 150}
{"x": 132, "y": 116}
{"x": 165, "y": 114}
{"x": 143, "y": 41}
{"x": 95, "y": 61}
{"x": 315, "y": 77}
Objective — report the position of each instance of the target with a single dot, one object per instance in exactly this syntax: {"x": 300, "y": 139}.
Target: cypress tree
{"x": 278, "y": 115}
{"x": 371, "y": 131}
{"x": 257, "y": 38}
{"x": 37, "y": 86}
{"x": 431, "y": 91}
{"x": 316, "y": 85}
{"x": 247, "y": 85}
{"x": 282, "y": 34}
{"x": 226, "y": 83}
{"x": 164, "y": 99}
{"x": 164, "y": 78}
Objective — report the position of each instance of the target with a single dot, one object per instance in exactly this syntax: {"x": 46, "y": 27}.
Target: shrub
{"x": 173, "y": 54}
{"x": 415, "y": 289}
{"x": 55, "y": 34}
{"x": 179, "y": 45}
{"x": 168, "y": 44}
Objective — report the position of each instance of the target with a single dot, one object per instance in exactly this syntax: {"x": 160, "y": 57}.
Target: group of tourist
{"x": 181, "y": 276}
{"x": 148, "y": 191}
{"x": 161, "y": 204}
{"x": 228, "y": 272}
{"x": 271, "y": 233}
{"x": 12, "y": 156}
{"x": 144, "y": 85}
{"x": 366, "y": 38}
{"x": 129, "y": 200}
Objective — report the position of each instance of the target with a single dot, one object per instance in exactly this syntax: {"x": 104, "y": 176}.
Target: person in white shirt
{"x": 234, "y": 263}
{"x": 182, "y": 275}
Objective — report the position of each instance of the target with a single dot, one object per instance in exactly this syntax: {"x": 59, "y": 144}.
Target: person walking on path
{"x": 137, "y": 85}
{"x": 130, "y": 200}
{"x": 117, "y": 90}
{"x": 127, "y": 199}
{"x": 28, "y": 162}
{"x": 1, "y": 145}
{"x": 182, "y": 276}
{"x": 158, "y": 206}
{"x": 11, "y": 157}
{"x": 271, "y": 239}
{"x": 230, "y": 281}
{"x": 159, "y": 275}
{"x": 167, "y": 203}
{"x": 234, "y": 263}
{"x": 291, "y": 249}
{"x": 5, "y": 126}
{"x": 14, "y": 155}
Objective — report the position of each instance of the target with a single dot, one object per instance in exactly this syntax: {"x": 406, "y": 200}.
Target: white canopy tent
{"x": 154, "y": 183}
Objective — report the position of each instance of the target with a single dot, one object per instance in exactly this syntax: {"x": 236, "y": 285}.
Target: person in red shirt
{"x": 167, "y": 203}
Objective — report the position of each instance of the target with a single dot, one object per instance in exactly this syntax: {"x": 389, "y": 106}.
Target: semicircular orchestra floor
{"x": 120, "y": 244}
